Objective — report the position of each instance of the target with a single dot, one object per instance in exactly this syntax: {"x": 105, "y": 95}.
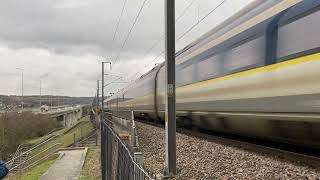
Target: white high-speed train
{"x": 257, "y": 74}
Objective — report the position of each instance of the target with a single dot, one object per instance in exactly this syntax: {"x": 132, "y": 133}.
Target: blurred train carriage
{"x": 256, "y": 75}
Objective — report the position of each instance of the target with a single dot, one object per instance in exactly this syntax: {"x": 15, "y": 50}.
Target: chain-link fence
{"x": 118, "y": 162}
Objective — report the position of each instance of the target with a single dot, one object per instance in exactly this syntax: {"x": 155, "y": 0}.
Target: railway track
{"x": 294, "y": 153}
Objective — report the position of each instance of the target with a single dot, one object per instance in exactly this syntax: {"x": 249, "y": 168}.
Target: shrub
{"x": 17, "y": 128}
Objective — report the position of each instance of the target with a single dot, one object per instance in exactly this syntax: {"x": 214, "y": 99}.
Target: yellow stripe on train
{"x": 312, "y": 57}
{"x": 287, "y": 63}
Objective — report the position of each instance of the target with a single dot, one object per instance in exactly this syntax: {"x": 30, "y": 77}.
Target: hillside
{"x": 14, "y": 101}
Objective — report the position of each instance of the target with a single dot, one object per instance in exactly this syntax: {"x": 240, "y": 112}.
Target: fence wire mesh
{"x": 118, "y": 162}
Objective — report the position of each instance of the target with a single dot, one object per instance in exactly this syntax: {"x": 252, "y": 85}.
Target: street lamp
{"x": 40, "y": 98}
{"x": 51, "y": 99}
{"x": 22, "y": 70}
{"x": 98, "y": 94}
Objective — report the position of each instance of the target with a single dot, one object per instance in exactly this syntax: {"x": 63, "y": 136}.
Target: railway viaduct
{"x": 67, "y": 117}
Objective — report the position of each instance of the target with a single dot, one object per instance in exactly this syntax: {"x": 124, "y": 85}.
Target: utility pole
{"x": 105, "y": 160}
{"x": 170, "y": 116}
{"x": 51, "y": 99}
{"x": 98, "y": 89}
{"x": 40, "y": 97}
{"x": 102, "y": 92}
{"x": 22, "y": 103}
{"x": 102, "y": 86}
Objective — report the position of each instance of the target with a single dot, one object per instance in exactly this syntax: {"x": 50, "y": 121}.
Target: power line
{"x": 118, "y": 23}
{"x": 129, "y": 33}
{"x": 203, "y": 18}
{"x": 196, "y": 24}
{"x": 176, "y": 21}
{"x": 191, "y": 28}
{"x": 162, "y": 37}
{"x": 160, "y": 54}
{"x": 185, "y": 10}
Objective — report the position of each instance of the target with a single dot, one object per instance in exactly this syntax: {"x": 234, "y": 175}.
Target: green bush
{"x": 17, "y": 128}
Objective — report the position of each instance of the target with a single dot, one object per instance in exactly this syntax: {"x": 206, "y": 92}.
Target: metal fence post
{"x": 138, "y": 158}
{"x": 81, "y": 131}
{"x": 108, "y": 148}
{"x": 103, "y": 151}
{"x": 74, "y": 138}
{"x": 133, "y": 131}
{"x": 121, "y": 162}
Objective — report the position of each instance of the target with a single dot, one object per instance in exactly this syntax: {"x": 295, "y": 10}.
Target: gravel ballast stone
{"x": 200, "y": 158}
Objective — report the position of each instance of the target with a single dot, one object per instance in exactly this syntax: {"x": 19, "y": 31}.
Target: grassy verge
{"x": 65, "y": 138}
{"x": 84, "y": 128}
{"x": 39, "y": 140}
{"x": 36, "y": 172}
{"x": 91, "y": 169}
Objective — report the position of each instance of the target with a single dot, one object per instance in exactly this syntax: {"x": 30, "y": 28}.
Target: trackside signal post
{"x": 170, "y": 116}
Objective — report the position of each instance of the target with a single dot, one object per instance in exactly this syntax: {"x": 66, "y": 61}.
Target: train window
{"x": 208, "y": 68}
{"x": 246, "y": 55}
{"x": 299, "y": 36}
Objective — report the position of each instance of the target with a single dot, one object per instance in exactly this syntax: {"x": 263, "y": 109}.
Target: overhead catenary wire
{"x": 185, "y": 10}
{"x": 130, "y": 31}
{"x": 118, "y": 23}
{"x": 187, "y": 31}
{"x": 176, "y": 21}
{"x": 198, "y": 22}
{"x": 162, "y": 37}
{"x": 194, "y": 25}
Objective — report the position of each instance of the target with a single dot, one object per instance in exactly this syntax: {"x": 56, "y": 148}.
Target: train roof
{"x": 228, "y": 24}
{"x": 252, "y": 10}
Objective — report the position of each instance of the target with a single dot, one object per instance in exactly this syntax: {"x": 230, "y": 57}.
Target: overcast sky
{"x": 62, "y": 42}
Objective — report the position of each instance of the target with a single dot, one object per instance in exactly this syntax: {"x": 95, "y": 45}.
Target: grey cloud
{"x": 65, "y": 40}
{"x": 63, "y": 27}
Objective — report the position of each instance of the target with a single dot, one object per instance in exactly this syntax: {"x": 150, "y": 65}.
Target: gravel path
{"x": 204, "y": 159}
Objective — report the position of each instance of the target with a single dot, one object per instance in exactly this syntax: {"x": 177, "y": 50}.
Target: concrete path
{"x": 68, "y": 166}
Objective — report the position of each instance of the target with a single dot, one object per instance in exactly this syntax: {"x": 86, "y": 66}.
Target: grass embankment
{"x": 84, "y": 128}
{"x": 36, "y": 173}
{"x": 69, "y": 133}
{"x": 55, "y": 131}
{"x": 64, "y": 137}
{"x": 91, "y": 169}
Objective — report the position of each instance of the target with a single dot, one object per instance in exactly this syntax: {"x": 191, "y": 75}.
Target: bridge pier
{"x": 67, "y": 117}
